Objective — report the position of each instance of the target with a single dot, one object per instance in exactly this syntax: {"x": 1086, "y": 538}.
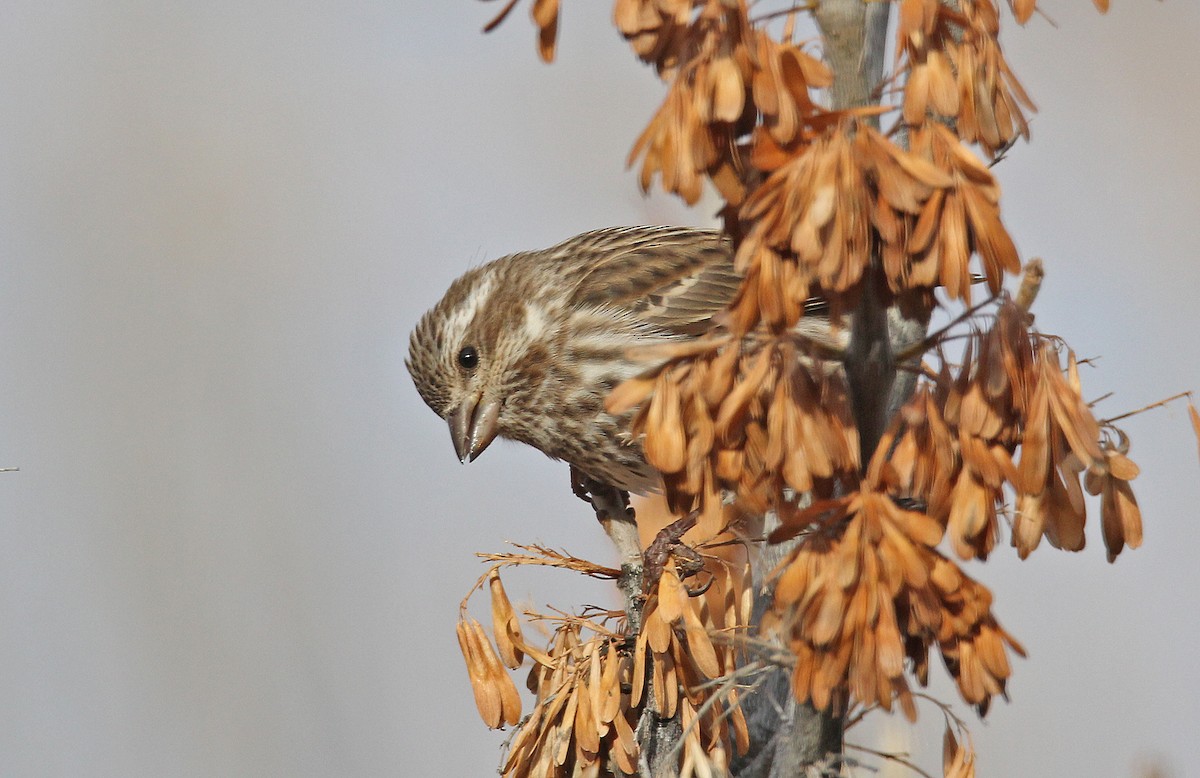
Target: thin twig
{"x": 890, "y": 757}
{"x": 920, "y": 347}
{"x": 548, "y": 557}
{"x": 1150, "y": 407}
{"x": 564, "y": 618}
{"x": 861, "y": 714}
{"x": 798, "y": 7}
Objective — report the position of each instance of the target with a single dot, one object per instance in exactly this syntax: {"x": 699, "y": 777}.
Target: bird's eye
{"x": 468, "y": 358}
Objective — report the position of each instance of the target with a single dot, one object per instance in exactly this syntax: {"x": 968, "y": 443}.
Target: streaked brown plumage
{"x": 527, "y": 347}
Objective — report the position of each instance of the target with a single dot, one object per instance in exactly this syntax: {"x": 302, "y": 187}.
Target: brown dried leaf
{"x": 700, "y": 647}
{"x": 920, "y": 169}
{"x": 627, "y": 752}
{"x": 1035, "y": 445}
{"x": 666, "y": 684}
{"x": 992, "y": 241}
{"x": 830, "y": 615}
{"x": 629, "y": 394}
{"x": 1120, "y": 466}
{"x": 1065, "y": 511}
{"x": 916, "y": 526}
{"x": 610, "y": 687}
{"x": 562, "y": 734}
{"x": 1070, "y": 413}
{"x": 943, "y": 90}
{"x": 638, "y": 682}
{"x": 728, "y": 91}
{"x": 1120, "y": 518}
{"x": 954, "y": 248}
{"x": 916, "y": 94}
{"x": 658, "y": 631}
{"x": 816, "y": 73}
{"x": 487, "y": 697}
{"x": 586, "y": 730}
{"x": 1195, "y": 416}
{"x": 544, "y": 12}
{"x": 950, "y": 751}
{"x": 721, "y": 375}
{"x": 741, "y": 732}
{"x": 911, "y": 26}
{"x": 1029, "y": 522}
{"x": 735, "y": 404}
{"x": 970, "y": 516}
{"x": 665, "y": 445}
{"x": 889, "y": 644}
{"x": 977, "y": 417}
{"x": 595, "y": 680}
{"x": 672, "y": 599}
{"x": 505, "y": 625}
{"x": 1023, "y": 10}
{"x": 793, "y": 583}
{"x": 927, "y": 223}
{"x": 627, "y": 16}
{"x": 545, "y": 16}
{"x": 496, "y": 695}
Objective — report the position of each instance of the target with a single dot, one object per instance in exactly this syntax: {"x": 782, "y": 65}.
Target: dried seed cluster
{"x": 867, "y": 591}
{"x": 958, "y": 74}
{"x": 748, "y": 421}
{"x": 958, "y": 757}
{"x": 825, "y": 207}
{"x": 676, "y": 662}
{"x": 958, "y": 439}
{"x": 583, "y": 718}
{"x": 590, "y": 691}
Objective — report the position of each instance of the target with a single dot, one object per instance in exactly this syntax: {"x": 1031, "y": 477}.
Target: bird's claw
{"x": 668, "y": 544}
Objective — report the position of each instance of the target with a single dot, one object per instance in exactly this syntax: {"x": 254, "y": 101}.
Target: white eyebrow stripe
{"x": 462, "y": 316}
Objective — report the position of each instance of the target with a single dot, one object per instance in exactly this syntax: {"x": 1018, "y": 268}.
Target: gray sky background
{"x": 237, "y": 540}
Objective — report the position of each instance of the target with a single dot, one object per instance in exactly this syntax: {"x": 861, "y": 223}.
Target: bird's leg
{"x": 617, "y": 518}
{"x": 579, "y": 485}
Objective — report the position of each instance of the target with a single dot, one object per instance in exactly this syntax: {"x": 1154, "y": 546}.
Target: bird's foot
{"x": 668, "y": 544}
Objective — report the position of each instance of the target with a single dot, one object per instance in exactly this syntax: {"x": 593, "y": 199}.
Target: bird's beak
{"x": 473, "y": 425}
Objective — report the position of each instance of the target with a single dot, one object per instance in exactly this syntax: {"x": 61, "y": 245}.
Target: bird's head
{"x": 462, "y": 357}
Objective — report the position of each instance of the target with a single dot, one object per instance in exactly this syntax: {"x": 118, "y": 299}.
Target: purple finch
{"x": 527, "y": 347}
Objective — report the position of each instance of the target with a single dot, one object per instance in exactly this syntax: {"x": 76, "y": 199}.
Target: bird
{"x": 528, "y": 346}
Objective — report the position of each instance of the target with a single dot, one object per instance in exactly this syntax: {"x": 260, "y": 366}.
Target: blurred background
{"x": 237, "y": 540}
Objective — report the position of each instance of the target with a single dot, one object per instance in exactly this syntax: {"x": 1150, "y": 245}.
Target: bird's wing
{"x": 673, "y": 278}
